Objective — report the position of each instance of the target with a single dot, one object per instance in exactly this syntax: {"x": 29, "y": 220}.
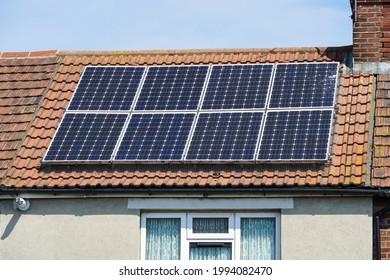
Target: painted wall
{"x": 327, "y": 228}
{"x": 70, "y": 229}
{"x": 315, "y": 228}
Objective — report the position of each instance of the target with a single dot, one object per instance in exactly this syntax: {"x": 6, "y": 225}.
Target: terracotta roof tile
{"x": 381, "y": 143}
{"x": 23, "y": 81}
{"x": 349, "y": 141}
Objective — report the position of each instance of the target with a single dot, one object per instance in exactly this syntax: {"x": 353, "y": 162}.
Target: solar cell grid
{"x": 304, "y": 85}
{"x": 155, "y": 137}
{"x": 86, "y": 137}
{"x": 235, "y": 97}
{"x": 172, "y": 88}
{"x": 107, "y": 88}
{"x": 238, "y": 86}
{"x": 296, "y": 135}
{"x": 225, "y": 136}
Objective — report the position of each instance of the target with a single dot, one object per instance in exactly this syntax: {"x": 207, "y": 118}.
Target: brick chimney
{"x": 371, "y": 32}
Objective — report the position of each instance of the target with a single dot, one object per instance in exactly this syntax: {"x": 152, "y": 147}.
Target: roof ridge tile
{"x": 34, "y": 54}
{"x": 319, "y": 50}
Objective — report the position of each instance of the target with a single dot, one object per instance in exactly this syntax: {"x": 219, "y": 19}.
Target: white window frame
{"x": 187, "y": 236}
{"x": 229, "y": 235}
{"x": 182, "y": 216}
{"x": 238, "y": 217}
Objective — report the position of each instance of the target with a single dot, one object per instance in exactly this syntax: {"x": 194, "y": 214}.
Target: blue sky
{"x": 32, "y": 25}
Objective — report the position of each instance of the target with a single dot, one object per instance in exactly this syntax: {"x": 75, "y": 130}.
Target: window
{"x": 210, "y": 236}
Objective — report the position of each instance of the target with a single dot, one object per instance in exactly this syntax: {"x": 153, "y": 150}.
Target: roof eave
{"x": 204, "y": 191}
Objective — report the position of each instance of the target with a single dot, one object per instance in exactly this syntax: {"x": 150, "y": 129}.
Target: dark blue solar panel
{"x": 89, "y": 137}
{"x": 155, "y": 137}
{"x": 238, "y": 86}
{"x": 107, "y": 88}
{"x": 172, "y": 88}
{"x": 238, "y": 94}
{"x": 304, "y": 85}
{"x": 225, "y": 136}
{"x": 296, "y": 135}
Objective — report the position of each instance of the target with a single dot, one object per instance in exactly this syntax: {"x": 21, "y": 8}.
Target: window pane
{"x": 163, "y": 238}
{"x": 211, "y": 252}
{"x": 210, "y": 225}
{"x": 257, "y": 239}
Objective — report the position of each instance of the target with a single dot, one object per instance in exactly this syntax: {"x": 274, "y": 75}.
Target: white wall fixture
{"x": 22, "y": 203}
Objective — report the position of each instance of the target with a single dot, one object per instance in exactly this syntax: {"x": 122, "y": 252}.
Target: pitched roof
{"x": 24, "y": 78}
{"x": 349, "y": 148}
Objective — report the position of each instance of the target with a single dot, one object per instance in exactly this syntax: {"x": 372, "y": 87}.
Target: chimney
{"x": 371, "y": 31}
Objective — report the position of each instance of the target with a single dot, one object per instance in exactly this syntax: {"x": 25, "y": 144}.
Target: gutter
{"x": 377, "y": 220}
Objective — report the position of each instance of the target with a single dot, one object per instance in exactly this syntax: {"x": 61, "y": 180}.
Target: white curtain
{"x": 210, "y": 253}
{"x": 257, "y": 239}
{"x": 163, "y": 238}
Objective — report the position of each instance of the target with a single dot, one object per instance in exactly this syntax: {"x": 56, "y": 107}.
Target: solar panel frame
{"x": 147, "y": 110}
{"x": 301, "y": 160}
{"x": 220, "y": 161}
{"x": 334, "y": 90}
{"x": 105, "y": 66}
{"x": 117, "y": 160}
{"x": 235, "y": 106}
{"x": 83, "y": 161}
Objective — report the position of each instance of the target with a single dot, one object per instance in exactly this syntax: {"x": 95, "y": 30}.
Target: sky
{"x": 34, "y": 25}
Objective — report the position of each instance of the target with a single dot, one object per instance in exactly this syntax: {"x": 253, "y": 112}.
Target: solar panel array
{"x": 201, "y": 113}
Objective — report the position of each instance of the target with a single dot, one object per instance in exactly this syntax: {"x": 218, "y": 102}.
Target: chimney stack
{"x": 371, "y": 32}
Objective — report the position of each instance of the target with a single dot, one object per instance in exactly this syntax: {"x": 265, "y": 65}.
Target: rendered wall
{"x": 316, "y": 228}
{"x": 327, "y": 228}
{"x": 69, "y": 229}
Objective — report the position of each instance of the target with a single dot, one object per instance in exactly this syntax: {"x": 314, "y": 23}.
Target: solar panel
{"x": 304, "y": 85}
{"x": 172, "y": 88}
{"x": 238, "y": 86}
{"x": 248, "y": 113}
{"x": 107, "y": 88}
{"x": 155, "y": 137}
{"x": 225, "y": 136}
{"x": 86, "y": 137}
{"x": 296, "y": 135}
